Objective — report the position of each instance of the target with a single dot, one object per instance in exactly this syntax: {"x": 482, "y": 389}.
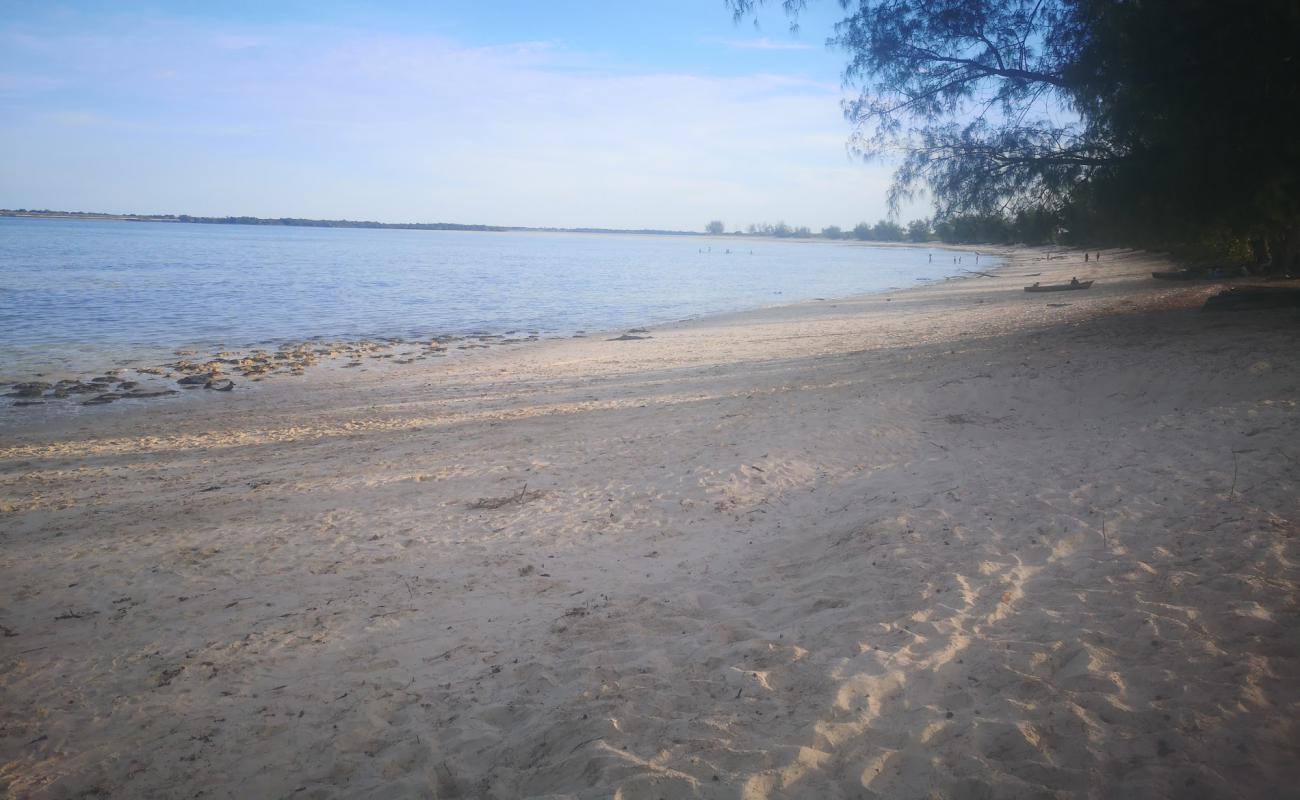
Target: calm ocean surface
{"x": 79, "y": 295}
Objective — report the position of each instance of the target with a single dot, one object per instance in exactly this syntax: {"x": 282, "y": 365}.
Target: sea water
{"x": 80, "y": 295}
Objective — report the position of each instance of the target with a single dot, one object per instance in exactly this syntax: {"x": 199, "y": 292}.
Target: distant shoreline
{"x": 297, "y": 222}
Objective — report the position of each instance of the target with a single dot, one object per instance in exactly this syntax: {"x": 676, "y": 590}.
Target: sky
{"x": 551, "y": 114}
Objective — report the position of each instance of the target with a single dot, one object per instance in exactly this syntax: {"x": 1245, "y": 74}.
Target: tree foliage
{"x": 1142, "y": 120}
{"x": 886, "y": 231}
{"x": 780, "y": 230}
{"x": 918, "y": 230}
{"x": 1199, "y": 96}
{"x": 965, "y": 91}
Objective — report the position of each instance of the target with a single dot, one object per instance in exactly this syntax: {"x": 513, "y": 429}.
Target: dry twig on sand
{"x": 520, "y": 497}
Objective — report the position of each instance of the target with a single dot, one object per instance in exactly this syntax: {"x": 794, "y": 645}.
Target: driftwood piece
{"x": 520, "y": 497}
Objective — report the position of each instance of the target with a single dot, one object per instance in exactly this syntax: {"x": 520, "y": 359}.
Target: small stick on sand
{"x": 523, "y": 496}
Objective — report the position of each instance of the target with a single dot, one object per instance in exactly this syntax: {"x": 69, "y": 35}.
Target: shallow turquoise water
{"x": 73, "y": 292}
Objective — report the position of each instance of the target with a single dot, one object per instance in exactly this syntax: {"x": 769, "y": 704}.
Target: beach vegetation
{"x": 1159, "y": 123}
{"x": 974, "y": 229}
{"x": 780, "y": 230}
{"x": 887, "y": 231}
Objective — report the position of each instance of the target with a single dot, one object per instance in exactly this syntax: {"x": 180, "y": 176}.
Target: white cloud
{"x": 326, "y": 123}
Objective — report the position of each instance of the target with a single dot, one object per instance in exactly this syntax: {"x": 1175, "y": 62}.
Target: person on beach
{"x": 1085, "y": 258}
{"x": 1074, "y": 281}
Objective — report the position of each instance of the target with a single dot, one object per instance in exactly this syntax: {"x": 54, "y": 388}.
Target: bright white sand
{"x": 952, "y": 542}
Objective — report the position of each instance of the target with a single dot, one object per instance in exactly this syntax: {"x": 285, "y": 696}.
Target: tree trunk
{"x": 1284, "y": 249}
{"x": 1258, "y": 253}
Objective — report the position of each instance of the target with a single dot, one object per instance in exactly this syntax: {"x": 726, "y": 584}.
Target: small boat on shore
{"x": 1058, "y": 287}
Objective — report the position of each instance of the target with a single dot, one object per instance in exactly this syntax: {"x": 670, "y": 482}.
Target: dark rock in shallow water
{"x": 197, "y": 380}
{"x": 30, "y": 389}
{"x": 127, "y": 384}
{"x": 102, "y": 399}
{"x": 102, "y": 379}
{"x": 627, "y": 337}
{"x": 138, "y": 394}
{"x": 220, "y": 386}
{"x": 22, "y": 403}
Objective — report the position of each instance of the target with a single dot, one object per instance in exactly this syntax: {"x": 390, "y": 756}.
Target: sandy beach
{"x": 957, "y": 541}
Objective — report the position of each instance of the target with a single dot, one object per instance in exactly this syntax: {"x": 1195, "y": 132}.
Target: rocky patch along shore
{"x": 219, "y": 371}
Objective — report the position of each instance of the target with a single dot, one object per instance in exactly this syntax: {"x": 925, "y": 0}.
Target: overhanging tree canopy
{"x": 1171, "y": 113}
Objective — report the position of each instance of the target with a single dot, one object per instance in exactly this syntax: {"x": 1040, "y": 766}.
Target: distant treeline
{"x": 287, "y": 221}
{"x": 1025, "y": 228}
{"x": 1029, "y": 227}
{"x": 298, "y": 222}
{"x": 316, "y": 223}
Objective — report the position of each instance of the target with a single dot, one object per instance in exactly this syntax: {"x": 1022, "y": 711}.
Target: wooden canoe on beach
{"x": 1058, "y": 287}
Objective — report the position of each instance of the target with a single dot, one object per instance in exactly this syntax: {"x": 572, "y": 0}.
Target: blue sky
{"x": 608, "y": 114}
